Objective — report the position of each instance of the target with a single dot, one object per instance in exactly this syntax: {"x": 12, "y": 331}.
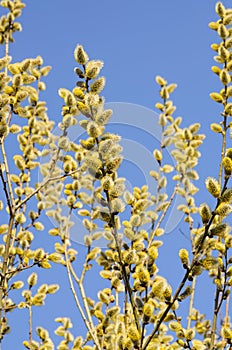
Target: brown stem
{"x": 187, "y": 274}
{"x": 5, "y": 264}
{"x": 5, "y": 189}
{"x": 214, "y": 326}
{"x": 115, "y": 235}
{"x": 41, "y": 186}
{"x": 125, "y": 277}
{"x": 71, "y": 273}
{"x": 163, "y": 215}
{"x": 191, "y": 302}
{"x": 30, "y": 325}
{"x": 160, "y": 321}
{"x": 83, "y": 295}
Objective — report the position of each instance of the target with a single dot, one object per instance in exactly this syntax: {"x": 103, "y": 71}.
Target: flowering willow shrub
{"x": 137, "y": 308}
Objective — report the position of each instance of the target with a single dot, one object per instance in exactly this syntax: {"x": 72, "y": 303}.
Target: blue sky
{"x": 136, "y": 40}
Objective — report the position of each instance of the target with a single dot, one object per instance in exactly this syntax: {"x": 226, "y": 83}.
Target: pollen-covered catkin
{"x": 227, "y": 165}
{"x": 184, "y": 256}
{"x": 80, "y": 55}
{"x": 205, "y": 213}
{"x": 213, "y": 186}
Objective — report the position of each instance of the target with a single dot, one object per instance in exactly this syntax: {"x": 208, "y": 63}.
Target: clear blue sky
{"x": 137, "y": 40}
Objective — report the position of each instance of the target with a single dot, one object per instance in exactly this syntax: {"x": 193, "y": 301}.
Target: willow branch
{"x": 41, "y": 186}
{"x": 191, "y": 302}
{"x": 5, "y": 189}
{"x": 186, "y": 276}
{"x": 8, "y": 180}
{"x": 30, "y": 325}
{"x": 163, "y": 215}
{"x": 70, "y": 272}
{"x": 83, "y": 295}
{"x": 160, "y": 321}
{"x": 124, "y": 272}
{"x": 5, "y": 262}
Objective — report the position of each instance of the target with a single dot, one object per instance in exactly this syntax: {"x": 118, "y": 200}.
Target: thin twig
{"x": 87, "y": 323}
{"x": 125, "y": 277}
{"x": 5, "y": 189}
{"x": 6, "y": 49}
{"x": 30, "y": 325}
{"x": 163, "y": 215}
{"x": 83, "y": 295}
{"x": 5, "y": 263}
{"x": 5, "y": 162}
{"x": 227, "y": 309}
{"x": 40, "y": 187}
{"x": 124, "y": 272}
{"x": 215, "y": 314}
{"x": 191, "y": 302}
{"x": 70, "y": 272}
